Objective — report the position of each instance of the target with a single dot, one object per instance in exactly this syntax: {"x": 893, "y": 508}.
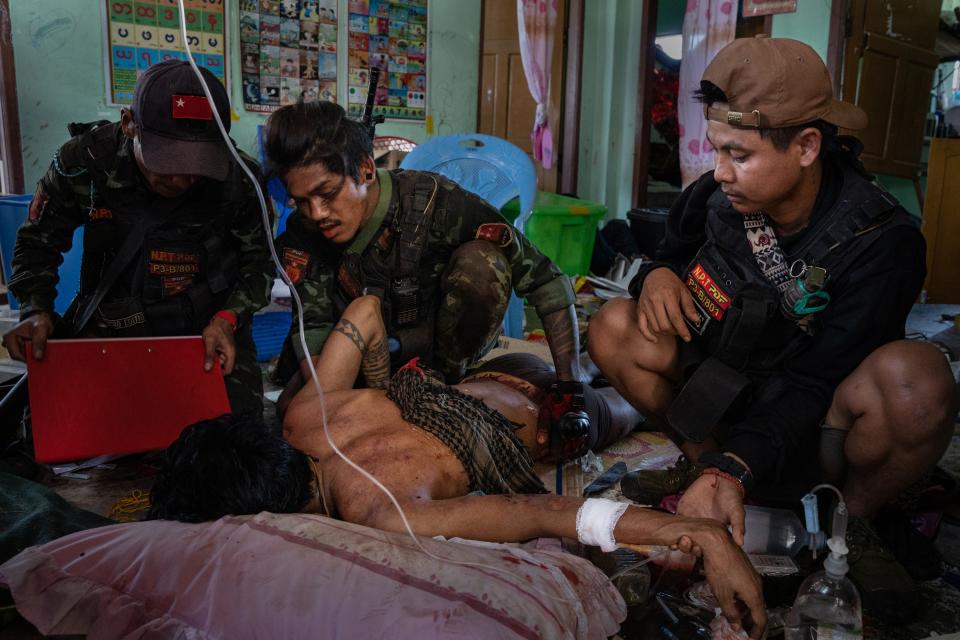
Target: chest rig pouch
{"x": 411, "y": 291}
{"x": 734, "y": 303}
{"x": 391, "y": 268}
{"x": 406, "y": 292}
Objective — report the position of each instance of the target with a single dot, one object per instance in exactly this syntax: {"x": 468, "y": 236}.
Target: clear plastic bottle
{"x": 827, "y": 608}
{"x": 777, "y": 532}
{"x": 828, "y": 605}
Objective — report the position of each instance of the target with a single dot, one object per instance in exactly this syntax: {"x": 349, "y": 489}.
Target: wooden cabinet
{"x": 941, "y": 222}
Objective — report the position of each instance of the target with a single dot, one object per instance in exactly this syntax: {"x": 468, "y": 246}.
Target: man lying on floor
{"x": 436, "y": 447}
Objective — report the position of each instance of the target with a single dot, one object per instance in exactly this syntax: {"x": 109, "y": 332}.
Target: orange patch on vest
{"x": 295, "y": 264}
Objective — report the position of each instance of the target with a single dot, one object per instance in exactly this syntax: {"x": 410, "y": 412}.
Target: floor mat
{"x": 639, "y": 450}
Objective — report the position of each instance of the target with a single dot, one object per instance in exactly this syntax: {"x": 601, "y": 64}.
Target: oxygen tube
{"x": 561, "y": 580}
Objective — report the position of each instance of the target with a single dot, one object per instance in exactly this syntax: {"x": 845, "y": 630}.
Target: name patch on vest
{"x": 173, "y": 285}
{"x": 163, "y": 269}
{"x": 120, "y": 324}
{"x": 498, "y": 233}
{"x": 708, "y": 296}
{"x": 159, "y": 255}
{"x": 295, "y": 264}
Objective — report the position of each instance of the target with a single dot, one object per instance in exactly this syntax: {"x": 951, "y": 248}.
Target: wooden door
{"x": 941, "y": 222}
{"x": 507, "y": 109}
{"x": 888, "y": 71}
{"x": 11, "y": 163}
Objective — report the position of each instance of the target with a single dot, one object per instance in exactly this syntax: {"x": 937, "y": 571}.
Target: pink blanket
{"x": 304, "y": 576}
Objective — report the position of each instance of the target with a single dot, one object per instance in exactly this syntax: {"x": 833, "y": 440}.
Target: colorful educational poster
{"x": 144, "y": 32}
{"x": 392, "y": 36}
{"x": 288, "y": 51}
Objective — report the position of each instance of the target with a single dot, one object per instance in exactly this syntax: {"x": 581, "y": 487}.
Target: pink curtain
{"x": 708, "y": 26}
{"x": 536, "y": 20}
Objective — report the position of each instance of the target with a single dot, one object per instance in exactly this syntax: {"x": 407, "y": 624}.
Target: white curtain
{"x": 708, "y": 26}
{"x": 536, "y": 20}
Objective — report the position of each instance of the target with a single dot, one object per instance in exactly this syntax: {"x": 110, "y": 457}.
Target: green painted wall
{"x": 59, "y": 51}
{"x": 810, "y": 23}
{"x": 611, "y": 57}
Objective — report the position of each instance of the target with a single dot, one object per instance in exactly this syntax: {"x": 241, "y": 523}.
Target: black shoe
{"x": 886, "y": 589}
{"x": 650, "y": 486}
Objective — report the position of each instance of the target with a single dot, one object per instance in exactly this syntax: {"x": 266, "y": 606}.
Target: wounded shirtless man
{"x": 458, "y": 459}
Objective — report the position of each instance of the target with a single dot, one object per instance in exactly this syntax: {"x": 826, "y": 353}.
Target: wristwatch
{"x": 729, "y": 466}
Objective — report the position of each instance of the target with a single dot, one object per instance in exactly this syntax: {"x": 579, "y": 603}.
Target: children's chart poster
{"x": 145, "y": 32}
{"x": 390, "y": 35}
{"x": 288, "y": 51}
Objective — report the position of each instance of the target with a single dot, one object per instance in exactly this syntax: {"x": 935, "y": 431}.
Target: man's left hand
{"x": 711, "y": 496}
{"x": 218, "y": 343}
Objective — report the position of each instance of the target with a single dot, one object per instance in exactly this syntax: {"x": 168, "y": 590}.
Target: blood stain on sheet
{"x": 570, "y": 575}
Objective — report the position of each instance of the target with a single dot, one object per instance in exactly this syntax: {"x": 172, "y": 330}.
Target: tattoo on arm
{"x": 350, "y": 330}
{"x": 564, "y": 339}
{"x": 376, "y": 365}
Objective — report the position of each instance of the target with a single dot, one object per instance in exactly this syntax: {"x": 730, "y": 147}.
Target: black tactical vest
{"x": 186, "y": 265}
{"x": 741, "y": 322}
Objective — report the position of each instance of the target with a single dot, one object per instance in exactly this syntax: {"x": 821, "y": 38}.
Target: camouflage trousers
{"x": 474, "y": 293}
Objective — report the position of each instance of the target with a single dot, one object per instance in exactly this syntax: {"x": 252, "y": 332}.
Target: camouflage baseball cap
{"x": 776, "y": 82}
{"x": 177, "y": 131}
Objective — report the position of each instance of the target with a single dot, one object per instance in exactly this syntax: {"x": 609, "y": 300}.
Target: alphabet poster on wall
{"x": 390, "y": 35}
{"x": 144, "y": 32}
{"x": 288, "y": 51}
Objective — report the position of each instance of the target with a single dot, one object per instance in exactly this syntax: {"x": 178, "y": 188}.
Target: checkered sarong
{"x": 495, "y": 460}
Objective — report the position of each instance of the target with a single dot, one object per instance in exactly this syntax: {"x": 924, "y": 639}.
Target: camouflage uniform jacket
{"x": 453, "y": 217}
{"x": 207, "y": 250}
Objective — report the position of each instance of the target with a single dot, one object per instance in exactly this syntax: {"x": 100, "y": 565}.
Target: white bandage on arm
{"x": 596, "y": 520}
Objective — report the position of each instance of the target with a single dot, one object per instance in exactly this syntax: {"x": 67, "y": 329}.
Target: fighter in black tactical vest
{"x": 769, "y": 330}
{"x": 173, "y": 241}
{"x": 441, "y": 260}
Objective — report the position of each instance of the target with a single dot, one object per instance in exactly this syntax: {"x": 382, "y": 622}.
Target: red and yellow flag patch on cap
{"x": 191, "y": 108}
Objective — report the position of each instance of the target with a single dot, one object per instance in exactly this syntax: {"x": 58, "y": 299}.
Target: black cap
{"x": 177, "y": 131}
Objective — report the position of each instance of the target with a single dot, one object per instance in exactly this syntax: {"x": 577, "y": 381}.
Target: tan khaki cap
{"x": 776, "y": 82}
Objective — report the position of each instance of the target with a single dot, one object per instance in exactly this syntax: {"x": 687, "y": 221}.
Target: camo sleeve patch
{"x": 499, "y": 233}
{"x": 295, "y": 264}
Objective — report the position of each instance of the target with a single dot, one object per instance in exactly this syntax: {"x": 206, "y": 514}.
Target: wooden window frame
{"x": 10, "y": 114}
{"x": 573, "y": 50}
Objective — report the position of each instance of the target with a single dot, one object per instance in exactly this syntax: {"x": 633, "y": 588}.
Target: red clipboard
{"x": 105, "y": 397}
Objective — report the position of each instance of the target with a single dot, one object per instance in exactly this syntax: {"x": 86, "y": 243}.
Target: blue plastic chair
{"x": 13, "y": 212}
{"x": 491, "y": 168}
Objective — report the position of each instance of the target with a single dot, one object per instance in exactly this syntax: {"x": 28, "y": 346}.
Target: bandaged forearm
{"x": 596, "y": 520}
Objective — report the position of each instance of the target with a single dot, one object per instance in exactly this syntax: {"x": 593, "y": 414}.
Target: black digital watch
{"x": 730, "y": 466}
